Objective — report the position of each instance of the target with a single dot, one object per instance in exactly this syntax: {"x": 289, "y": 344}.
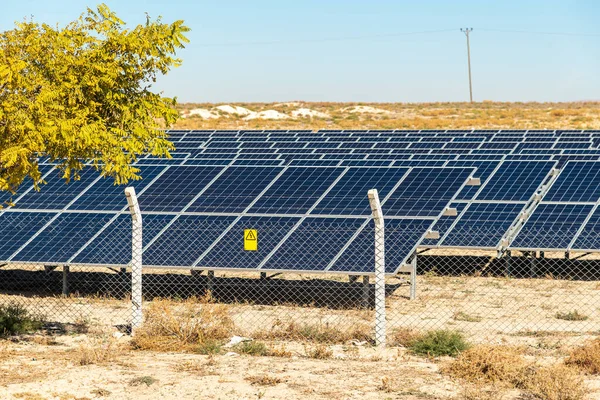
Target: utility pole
{"x": 466, "y": 31}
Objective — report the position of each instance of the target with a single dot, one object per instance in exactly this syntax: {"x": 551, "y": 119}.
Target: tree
{"x": 83, "y": 93}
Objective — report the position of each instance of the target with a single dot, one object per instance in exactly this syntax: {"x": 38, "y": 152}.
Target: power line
{"x": 330, "y": 39}
{"x": 540, "y": 33}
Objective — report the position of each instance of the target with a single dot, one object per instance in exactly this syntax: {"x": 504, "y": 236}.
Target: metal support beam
{"x": 533, "y": 265}
{"x": 508, "y": 263}
{"x": 352, "y": 278}
{"x": 263, "y": 276}
{"x": 210, "y": 278}
{"x": 65, "y": 280}
{"x": 365, "y": 291}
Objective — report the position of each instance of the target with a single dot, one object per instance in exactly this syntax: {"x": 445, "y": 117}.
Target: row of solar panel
{"x": 335, "y": 245}
{"x": 567, "y": 218}
{"x": 176, "y": 235}
{"x": 406, "y": 192}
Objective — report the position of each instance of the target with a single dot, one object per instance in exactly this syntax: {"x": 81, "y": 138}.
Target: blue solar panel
{"x": 349, "y": 195}
{"x": 551, "y": 226}
{"x": 296, "y": 191}
{"x": 103, "y": 249}
{"x": 482, "y": 225}
{"x": 59, "y": 241}
{"x": 104, "y": 195}
{"x": 176, "y": 188}
{"x": 18, "y": 228}
{"x": 314, "y": 244}
{"x": 425, "y": 192}
{"x": 589, "y": 238}
{"x": 402, "y": 235}
{"x": 483, "y": 172}
{"x": 578, "y": 181}
{"x": 185, "y": 240}
{"x": 229, "y": 251}
{"x": 515, "y": 180}
{"x": 234, "y": 189}
{"x": 56, "y": 194}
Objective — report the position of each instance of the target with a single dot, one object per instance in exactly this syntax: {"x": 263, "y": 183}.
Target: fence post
{"x": 380, "y": 321}
{"x": 136, "y": 259}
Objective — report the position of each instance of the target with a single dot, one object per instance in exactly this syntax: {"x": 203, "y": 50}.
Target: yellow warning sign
{"x": 250, "y": 240}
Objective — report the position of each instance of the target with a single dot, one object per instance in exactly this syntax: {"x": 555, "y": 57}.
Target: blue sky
{"x": 357, "y": 50}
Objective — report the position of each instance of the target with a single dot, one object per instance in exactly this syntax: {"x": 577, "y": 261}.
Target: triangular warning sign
{"x": 250, "y": 235}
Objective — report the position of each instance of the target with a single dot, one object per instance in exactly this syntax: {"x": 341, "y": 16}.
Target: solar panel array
{"x": 308, "y": 217}
{"x": 306, "y": 193}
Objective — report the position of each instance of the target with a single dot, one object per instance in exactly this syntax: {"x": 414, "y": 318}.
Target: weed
{"x": 571, "y": 316}
{"x": 252, "y": 348}
{"x": 556, "y": 382}
{"x": 280, "y": 351}
{"x": 586, "y": 358}
{"x": 319, "y": 352}
{"x": 98, "y": 351}
{"x": 142, "y": 380}
{"x": 100, "y": 392}
{"x": 208, "y": 346}
{"x": 479, "y": 392}
{"x": 15, "y": 320}
{"x": 439, "y": 343}
{"x": 489, "y": 364}
{"x": 319, "y": 333}
{"x": 462, "y": 316}
{"x": 263, "y": 380}
{"x": 403, "y": 337}
{"x": 182, "y": 325}
{"x": 387, "y": 385}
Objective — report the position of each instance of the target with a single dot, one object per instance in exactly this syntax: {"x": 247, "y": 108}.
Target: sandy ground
{"x": 499, "y": 309}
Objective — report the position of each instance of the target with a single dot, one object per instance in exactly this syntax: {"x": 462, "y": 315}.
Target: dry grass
{"x": 403, "y": 337}
{"x": 571, "y": 316}
{"x": 489, "y": 364}
{"x": 98, "y": 351}
{"x": 480, "y": 115}
{"x": 479, "y": 392}
{"x": 503, "y": 366}
{"x": 319, "y": 352}
{"x": 182, "y": 325}
{"x": 556, "y": 382}
{"x": 318, "y": 333}
{"x": 263, "y": 380}
{"x": 586, "y": 358}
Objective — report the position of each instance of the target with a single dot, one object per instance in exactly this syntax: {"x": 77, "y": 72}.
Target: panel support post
{"x": 365, "y": 291}
{"x": 380, "y": 320}
{"x": 136, "y": 259}
{"x": 65, "y": 280}
{"x": 210, "y": 282}
{"x": 413, "y": 278}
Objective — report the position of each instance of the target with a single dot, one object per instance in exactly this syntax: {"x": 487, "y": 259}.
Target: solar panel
{"x": 234, "y": 189}
{"x": 176, "y": 188}
{"x": 425, "y": 192}
{"x": 347, "y": 196}
{"x": 50, "y": 246}
{"x": 482, "y": 225}
{"x": 515, "y": 180}
{"x": 589, "y": 237}
{"x": 296, "y": 191}
{"x": 56, "y": 193}
{"x": 402, "y": 235}
{"x": 577, "y": 182}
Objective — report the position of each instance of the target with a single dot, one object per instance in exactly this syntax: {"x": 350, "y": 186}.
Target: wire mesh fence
{"x": 483, "y": 293}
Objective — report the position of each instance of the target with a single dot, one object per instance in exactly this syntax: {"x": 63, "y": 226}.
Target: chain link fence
{"x": 483, "y": 293}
